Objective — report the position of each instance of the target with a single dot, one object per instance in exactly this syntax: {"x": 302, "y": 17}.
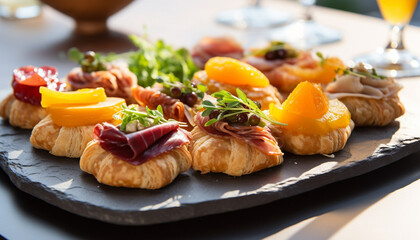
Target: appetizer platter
{"x": 159, "y": 135}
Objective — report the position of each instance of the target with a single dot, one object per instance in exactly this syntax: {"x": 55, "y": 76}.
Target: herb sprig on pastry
{"x": 231, "y": 136}
{"x": 224, "y": 73}
{"x": 145, "y": 151}
{"x": 372, "y": 99}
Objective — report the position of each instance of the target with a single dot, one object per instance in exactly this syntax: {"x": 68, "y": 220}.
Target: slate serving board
{"x": 60, "y": 182}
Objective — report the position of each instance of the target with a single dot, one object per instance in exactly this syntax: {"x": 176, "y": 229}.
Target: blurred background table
{"x": 382, "y": 204}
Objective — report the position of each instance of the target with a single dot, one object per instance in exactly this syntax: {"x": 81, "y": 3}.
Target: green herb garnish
{"x": 323, "y": 59}
{"x": 232, "y": 109}
{"x": 354, "y": 72}
{"x": 172, "y": 68}
{"x": 146, "y": 119}
{"x": 286, "y": 50}
{"x": 90, "y": 61}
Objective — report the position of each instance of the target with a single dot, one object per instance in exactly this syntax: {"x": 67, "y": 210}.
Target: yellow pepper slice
{"x": 80, "y": 97}
{"x": 70, "y": 116}
{"x": 234, "y": 72}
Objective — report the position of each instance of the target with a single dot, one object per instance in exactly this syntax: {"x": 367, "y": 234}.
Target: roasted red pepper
{"x": 27, "y": 81}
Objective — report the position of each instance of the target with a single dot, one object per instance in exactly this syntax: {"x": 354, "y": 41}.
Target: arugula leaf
{"x": 146, "y": 119}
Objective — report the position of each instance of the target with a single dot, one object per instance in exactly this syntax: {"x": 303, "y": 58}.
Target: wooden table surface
{"x": 382, "y": 204}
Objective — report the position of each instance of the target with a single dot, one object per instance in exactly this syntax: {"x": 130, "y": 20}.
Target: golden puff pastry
{"x": 228, "y": 155}
{"x": 263, "y": 95}
{"x": 309, "y": 144}
{"x": 371, "y": 99}
{"x": 61, "y": 141}
{"x": 153, "y": 174}
{"x": 21, "y": 114}
{"x": 373, "y": 112}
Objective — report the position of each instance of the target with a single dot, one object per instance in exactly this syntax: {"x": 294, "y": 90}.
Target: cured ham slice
{"x": 172, "y": 108}
{"x": 117, "y": 80}
{"x": 138, "y": 147}
{"x": 256, "y": 136}
{"x": 209, "y": 47}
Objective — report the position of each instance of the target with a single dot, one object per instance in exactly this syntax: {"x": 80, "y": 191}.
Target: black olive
{"x": 214, "y": 114}
{"x": 190, "y": 99}
{"x": 89, "y": 56}
{"x": 281, "y": 53}
{"x": 254, "y": 120}
{"x": 276, "y": 54}
{"x": 194, "y": 84}
{"x": 176, "y": 92}
{"x": 241, "y": 118}
{"x": 258, "y": 104}
{"x": 244, "y": 106}
{"x": 270, "y": 55}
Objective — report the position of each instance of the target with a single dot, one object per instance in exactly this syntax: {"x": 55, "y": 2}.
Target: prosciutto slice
{"x": 172, "y": 108}
{"x": 255, "y": 136}
{"x": 117, "y": 80}
{"x": 209, "y": 47}
{"x": 138, "y": 147}
{"x": 364, "y": 87}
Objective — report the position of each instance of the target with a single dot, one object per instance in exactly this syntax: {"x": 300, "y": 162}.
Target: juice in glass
{"x": 397, "y": 12}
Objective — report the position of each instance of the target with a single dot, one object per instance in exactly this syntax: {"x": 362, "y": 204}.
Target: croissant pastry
{"x": 61, "y": 141}
{"x": 21, "y": 114}
{"x": 228, "y": 155}
{"x": 371, "y": 99}
{"x": 153, "y": 174}
{"x": 309, "y": 144}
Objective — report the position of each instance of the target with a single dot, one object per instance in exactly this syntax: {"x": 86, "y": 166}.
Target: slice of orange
{"x": 85, "y": 114}
{"x": 234, "y": 72}
{"x": 307, "y": 100}
{"x": 337, "y": 116}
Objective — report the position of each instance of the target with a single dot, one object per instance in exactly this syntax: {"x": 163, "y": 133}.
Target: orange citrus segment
{"x": 324, "y": 73}
{"x": 70, "y": 116}
{"x": 234, "y": 72}
{"x": 337, "y": 116}
{"x": 82, "y": 96}
{"x": 307, "y": 100}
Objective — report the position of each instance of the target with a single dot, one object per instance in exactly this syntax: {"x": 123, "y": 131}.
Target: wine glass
{"x": 305, "y": 33}
{"x": 253, "y": 16}
{"x": 394, "y": 60}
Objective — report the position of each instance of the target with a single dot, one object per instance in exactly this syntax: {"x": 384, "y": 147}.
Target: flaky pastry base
{"x": 61, "y": 141}
{"x": 21, "y": 114}
{"x": 305, "y": 144}
{"x": 227, "y": 155}
{"x": 153, "y": 174}
{"x": 373, "y": 112}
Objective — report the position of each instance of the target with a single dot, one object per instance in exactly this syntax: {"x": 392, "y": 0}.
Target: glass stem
{"x": 307, "y": 11}
{"x": 396, "y": 38}
{"x": 255, "y": 3}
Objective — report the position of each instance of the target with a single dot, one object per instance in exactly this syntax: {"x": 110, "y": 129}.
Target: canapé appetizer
{"x": 23, "y": 106}
{"x": 164, "y": 75}
{"x": 71, "y": 118}
{"x": 231, "y": 137}
{"x": 371, "y": 99}
{"x": 315, "y": 125}
{"x": 94, "y": 72}
{"x": 223, "y": 73}
{"x": 145, "y": 151}
{"x": 209, "y": 47}
{"x": 286, "y": 66}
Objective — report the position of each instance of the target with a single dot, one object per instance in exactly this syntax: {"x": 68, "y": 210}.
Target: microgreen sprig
{"x": 230, "y": 105}
{"x": 147, "y": 119}
{"x": 354, "y": 72}
{"x": 90, "y": 61}
{"x": 323, "y": 59}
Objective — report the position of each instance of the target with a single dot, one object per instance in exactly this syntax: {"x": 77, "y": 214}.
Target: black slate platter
{"x": 60, "y": 182}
